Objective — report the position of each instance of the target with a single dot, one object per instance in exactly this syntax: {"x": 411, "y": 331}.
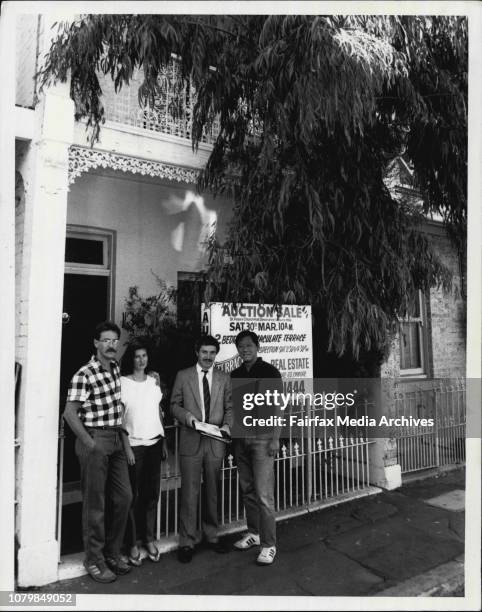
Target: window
{"x": 87, "y": 251}
{"x": 89, "y": 259}
{"x": 412, "y": 339}
{"x": 84, "y": 251}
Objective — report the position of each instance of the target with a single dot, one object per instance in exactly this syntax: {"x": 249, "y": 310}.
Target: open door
{"x": 87, "y": 302}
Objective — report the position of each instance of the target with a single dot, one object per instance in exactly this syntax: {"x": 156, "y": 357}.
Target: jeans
{"x": 256, "y": 478}
{"x": 145, "y": 481}
{"x": 106, "y": 493}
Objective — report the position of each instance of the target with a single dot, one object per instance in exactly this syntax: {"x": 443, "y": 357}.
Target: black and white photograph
{"x": 241, "y": 263}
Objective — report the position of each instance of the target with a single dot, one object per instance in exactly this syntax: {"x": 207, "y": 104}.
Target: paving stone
{"x": 408, "y": 559}
{"x": 395, "y": 550}
{"x": 369, "y": 538}
{"x": 325, "y": 573}
{"x": 439, "y": 527}
{"x": 294, "y": 535}
{"x": 314, "y": 527}
{"x": 431, "y": 487}
{"x": 230, "y": 581}
{"x": 335, "y": 525}
{"x": 410, "y": 506}
{"x": 451, "y": 500}
{"x": 135, "y": 582}
{"x": 420, "y": 515}
{"x": 444, "y": 581}
{"x": 318, "y": 572}
{"x": 374, "y": 510}
{"x": 353, "y": 549}
{"x": 429, "y": 519}
{"x": 205, "y": 565}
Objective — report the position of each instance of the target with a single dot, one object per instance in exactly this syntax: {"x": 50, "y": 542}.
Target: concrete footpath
{"x": 407, "y": 542}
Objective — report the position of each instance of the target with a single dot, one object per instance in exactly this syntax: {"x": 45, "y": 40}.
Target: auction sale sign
{"x": 284, "y": 335}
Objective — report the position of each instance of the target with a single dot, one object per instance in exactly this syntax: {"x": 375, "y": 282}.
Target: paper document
{"x": 212, "y": 431}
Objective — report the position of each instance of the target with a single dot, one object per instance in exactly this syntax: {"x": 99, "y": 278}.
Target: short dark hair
{"x": 106, "y": 326}
{"x": 247, "y": 334}
{"x": 127, "y": 361}
{"x": 206, "y": 341}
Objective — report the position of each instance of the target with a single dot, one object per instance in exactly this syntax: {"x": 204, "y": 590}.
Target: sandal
{"x": 135, "y": 560}
{"x": 154, "y": 557}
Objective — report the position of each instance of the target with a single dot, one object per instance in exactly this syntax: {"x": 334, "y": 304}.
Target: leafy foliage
{"x": 311, "y": 109}
{"x": 153, "y": 318}
{"x": 150, "y": 317}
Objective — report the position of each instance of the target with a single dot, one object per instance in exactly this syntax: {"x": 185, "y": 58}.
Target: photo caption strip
{"x": 15, "y": 598}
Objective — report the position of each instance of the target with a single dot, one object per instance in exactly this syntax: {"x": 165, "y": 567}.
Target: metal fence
{"x": 310, "y": 471}
{"x": 420, "y": 448}
{"x": 325, "y": 466}
{"x": 171, "y": 113}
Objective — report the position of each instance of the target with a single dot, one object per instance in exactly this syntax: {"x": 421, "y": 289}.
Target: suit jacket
{"x": 186, "y": 403}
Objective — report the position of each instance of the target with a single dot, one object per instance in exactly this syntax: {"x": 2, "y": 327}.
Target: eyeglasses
{"x": 108, "y": 341}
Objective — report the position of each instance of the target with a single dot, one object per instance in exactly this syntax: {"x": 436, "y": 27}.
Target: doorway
{"x": 87, "y": 301}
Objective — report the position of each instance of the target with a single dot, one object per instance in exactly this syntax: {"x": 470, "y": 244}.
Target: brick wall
{"x": 445, "y": 350}
{"x": 447, "y": 317}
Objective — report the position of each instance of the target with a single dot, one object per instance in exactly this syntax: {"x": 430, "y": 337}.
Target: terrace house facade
{"x": 91, "y": 222}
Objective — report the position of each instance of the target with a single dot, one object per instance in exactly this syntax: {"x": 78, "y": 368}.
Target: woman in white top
{"x": 141, "y": 396}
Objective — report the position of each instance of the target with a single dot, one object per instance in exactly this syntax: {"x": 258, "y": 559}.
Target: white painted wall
{"x": 160, "y": 226}
{"x": 44, "y": 171}
{"x": 26, "y": 26}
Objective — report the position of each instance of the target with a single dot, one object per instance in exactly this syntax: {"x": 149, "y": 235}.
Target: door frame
{"x": 110, "y": 246}
{"x": 107, "y": 269}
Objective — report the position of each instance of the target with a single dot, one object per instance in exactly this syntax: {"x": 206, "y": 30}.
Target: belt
{"x": 112, "y": 427}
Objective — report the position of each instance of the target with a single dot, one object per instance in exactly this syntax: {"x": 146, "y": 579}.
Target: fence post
{"x": 308, "y": 459}
{"x": 437, "y": 449}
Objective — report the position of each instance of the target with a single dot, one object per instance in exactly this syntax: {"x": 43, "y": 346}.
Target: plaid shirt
{"x": 100, "y": 393}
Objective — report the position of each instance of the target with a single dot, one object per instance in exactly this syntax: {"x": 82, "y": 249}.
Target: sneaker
{"x": 247, "y": 541}
{"x": 118, "y": 566}
{"x": 100, "y": 572}
{"x": 266, "y": 556}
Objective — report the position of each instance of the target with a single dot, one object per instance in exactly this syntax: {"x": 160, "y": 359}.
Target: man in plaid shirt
{"x": 94, "y": 413}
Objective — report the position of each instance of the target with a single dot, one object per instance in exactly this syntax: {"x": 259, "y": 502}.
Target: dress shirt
{"x": 200, "y": 377}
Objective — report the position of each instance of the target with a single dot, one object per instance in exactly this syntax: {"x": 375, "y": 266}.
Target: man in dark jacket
{"x": 256, "y": 451}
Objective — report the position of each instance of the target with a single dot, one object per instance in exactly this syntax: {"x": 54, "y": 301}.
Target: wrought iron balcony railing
{"x": 123, "y": 107}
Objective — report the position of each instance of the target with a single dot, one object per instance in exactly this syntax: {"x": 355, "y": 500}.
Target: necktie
{"x": 207, "y": 397}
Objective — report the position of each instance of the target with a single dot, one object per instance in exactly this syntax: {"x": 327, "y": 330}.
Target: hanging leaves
{"x": 311, "y": 110}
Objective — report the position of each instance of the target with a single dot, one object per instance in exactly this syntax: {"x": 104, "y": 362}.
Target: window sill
{"x": 408, "y": 377}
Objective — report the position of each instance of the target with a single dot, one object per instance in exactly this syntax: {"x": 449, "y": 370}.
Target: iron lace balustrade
{"x": 171, "y": 114}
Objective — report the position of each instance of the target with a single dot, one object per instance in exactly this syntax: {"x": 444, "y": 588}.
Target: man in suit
{"x": 201, "y": 393}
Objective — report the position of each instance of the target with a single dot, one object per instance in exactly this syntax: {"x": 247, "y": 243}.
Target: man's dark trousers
{"x": 106, "y": 493}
